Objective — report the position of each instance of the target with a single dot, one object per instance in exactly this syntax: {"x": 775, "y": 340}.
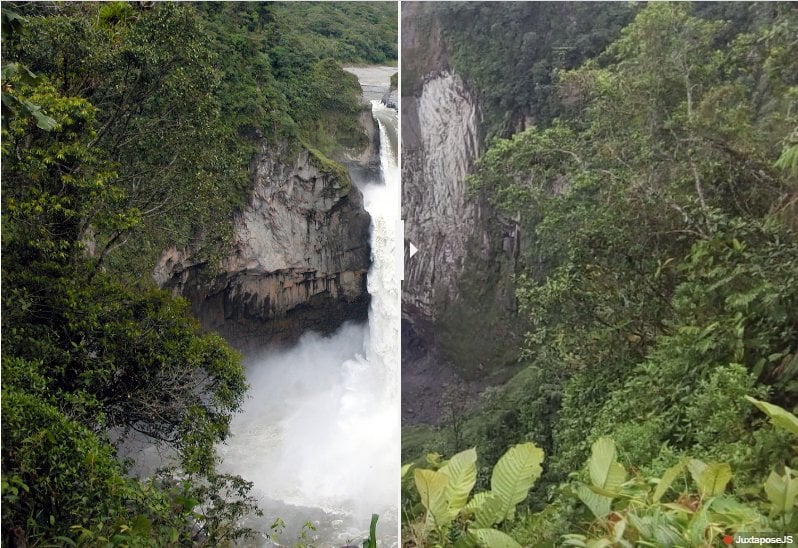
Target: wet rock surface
{"x": 299, "y": 258}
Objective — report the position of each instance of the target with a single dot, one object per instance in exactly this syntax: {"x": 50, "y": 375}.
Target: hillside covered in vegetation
{"x": 127, "y": 128}
{"x": 649, "y": 155}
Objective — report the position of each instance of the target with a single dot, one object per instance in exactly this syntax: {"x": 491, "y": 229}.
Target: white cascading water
{"x": 319, "y": 436}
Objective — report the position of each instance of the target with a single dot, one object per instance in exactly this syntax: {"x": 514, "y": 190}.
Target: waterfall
{"x": 319, "y": 436}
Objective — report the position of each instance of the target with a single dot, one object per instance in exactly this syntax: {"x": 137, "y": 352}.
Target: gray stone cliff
{"x": 298, "y": 260}
{"x": 458, "y": 301}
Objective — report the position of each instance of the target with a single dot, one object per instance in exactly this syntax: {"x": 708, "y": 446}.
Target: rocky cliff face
{"x": 298, "y": 261}
{"x": 440, "y": 144}
{"x": 457, "y": 298}
{"x": 440, "y": 121}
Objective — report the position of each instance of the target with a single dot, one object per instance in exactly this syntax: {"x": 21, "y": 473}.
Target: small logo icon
{"x": 728, "y": 539}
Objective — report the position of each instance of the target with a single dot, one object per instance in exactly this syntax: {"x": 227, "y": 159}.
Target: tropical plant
{"x": 371, "y": 542}
{"x": 451, "y": 518}
{"x": 637, "y": 511}
{"x": 124, "y": 133}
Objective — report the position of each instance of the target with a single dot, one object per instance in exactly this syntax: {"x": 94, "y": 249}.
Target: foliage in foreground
{"x": 87, "y": 360}
{"x": 687, "y": 505}
{"x": 450, "y": 517}
{"x": 659, "y": 258}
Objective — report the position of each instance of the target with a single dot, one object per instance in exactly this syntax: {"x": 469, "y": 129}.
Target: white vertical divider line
{"x": 401, "y": 245}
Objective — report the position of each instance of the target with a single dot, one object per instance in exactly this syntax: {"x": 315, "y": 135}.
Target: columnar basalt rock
{"x": 298, "y": 260}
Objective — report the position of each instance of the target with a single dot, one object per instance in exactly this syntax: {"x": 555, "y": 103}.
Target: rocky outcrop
{"x": 364, "y": 164}
{"x": 298, "y": 260}
{"x": 391, "y": 99}
{"x": 457, "y": 295}
{"x": 440, "y": 138}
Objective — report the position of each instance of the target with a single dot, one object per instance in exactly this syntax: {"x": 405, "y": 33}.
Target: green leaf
{"x": 12, "y": 21}
{"x": 371, "y": 542}
{"x": 605, "y": 471}
{"x": 697, "y": 527}
{"x": 21, "y": 72}
{"x": 514, "y": 474}
{"x": 462, "y": 472}
{"x": 42, "y": 120}
{"x": 487, "y": 509}
{"x": 779, "y": 416}
{"x": 781, "y": 492}
{"x": 714, "y": 478}
{"x": 667, "y": 479}
{"x": 737, "y": 515}
{"x": 599, "y": 505}
{"x": 492, "y": 538}
{"x": 696, "y": 468}
{"x": 431, "y": 487}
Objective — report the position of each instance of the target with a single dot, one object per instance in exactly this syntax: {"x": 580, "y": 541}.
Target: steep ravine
{"x": 457, "y": 298}
{"x": 298, "y": 259}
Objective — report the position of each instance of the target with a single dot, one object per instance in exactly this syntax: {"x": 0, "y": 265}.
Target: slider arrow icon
{"x": 413, "y": 249}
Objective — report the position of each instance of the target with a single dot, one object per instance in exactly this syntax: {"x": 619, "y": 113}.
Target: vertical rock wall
{"x": 298, "y": 260}
{"x": 458, "y": 303}
{"x": 440, "y": 143}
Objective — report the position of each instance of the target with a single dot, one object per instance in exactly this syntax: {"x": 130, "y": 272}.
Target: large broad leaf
{"x": 12, "y": 22}
{"x": 696, "y": 468}
{"x": 657, "y": 527}
{"x": 492, "y": 538}
{"x": 462, "y": 472}
{"x": 605, "y": 471}
{"x": 713, "y": 479}
{"x": 599, "y": 505}
{"x": 431, "y": 487}
{"x": 42, "y": 120}
{"x": 486, "y": 508}
{"x": 667, "y": 479}
{"x": 781, "y": 492}
{"x": 514, "y": 474}
{"x": 779, "y": 416}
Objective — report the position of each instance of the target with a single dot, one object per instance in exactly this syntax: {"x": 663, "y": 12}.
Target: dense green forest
{"x": 128, "y": 127}
{"x": 655, "y": 180}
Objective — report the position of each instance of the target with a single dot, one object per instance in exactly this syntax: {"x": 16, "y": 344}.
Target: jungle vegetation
{"x": 127, "y": 128}
{"x": 655, "y": 176}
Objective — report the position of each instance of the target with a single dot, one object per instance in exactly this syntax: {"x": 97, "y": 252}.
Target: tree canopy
{"x": 127, "y": 128}
{"x": 659, "y": 262}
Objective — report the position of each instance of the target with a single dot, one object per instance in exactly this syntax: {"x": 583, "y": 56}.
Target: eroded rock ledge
{"x": 298, "y": 260}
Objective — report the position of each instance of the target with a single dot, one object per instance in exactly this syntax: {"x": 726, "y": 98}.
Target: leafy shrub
{"x": 450, "y": 517}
